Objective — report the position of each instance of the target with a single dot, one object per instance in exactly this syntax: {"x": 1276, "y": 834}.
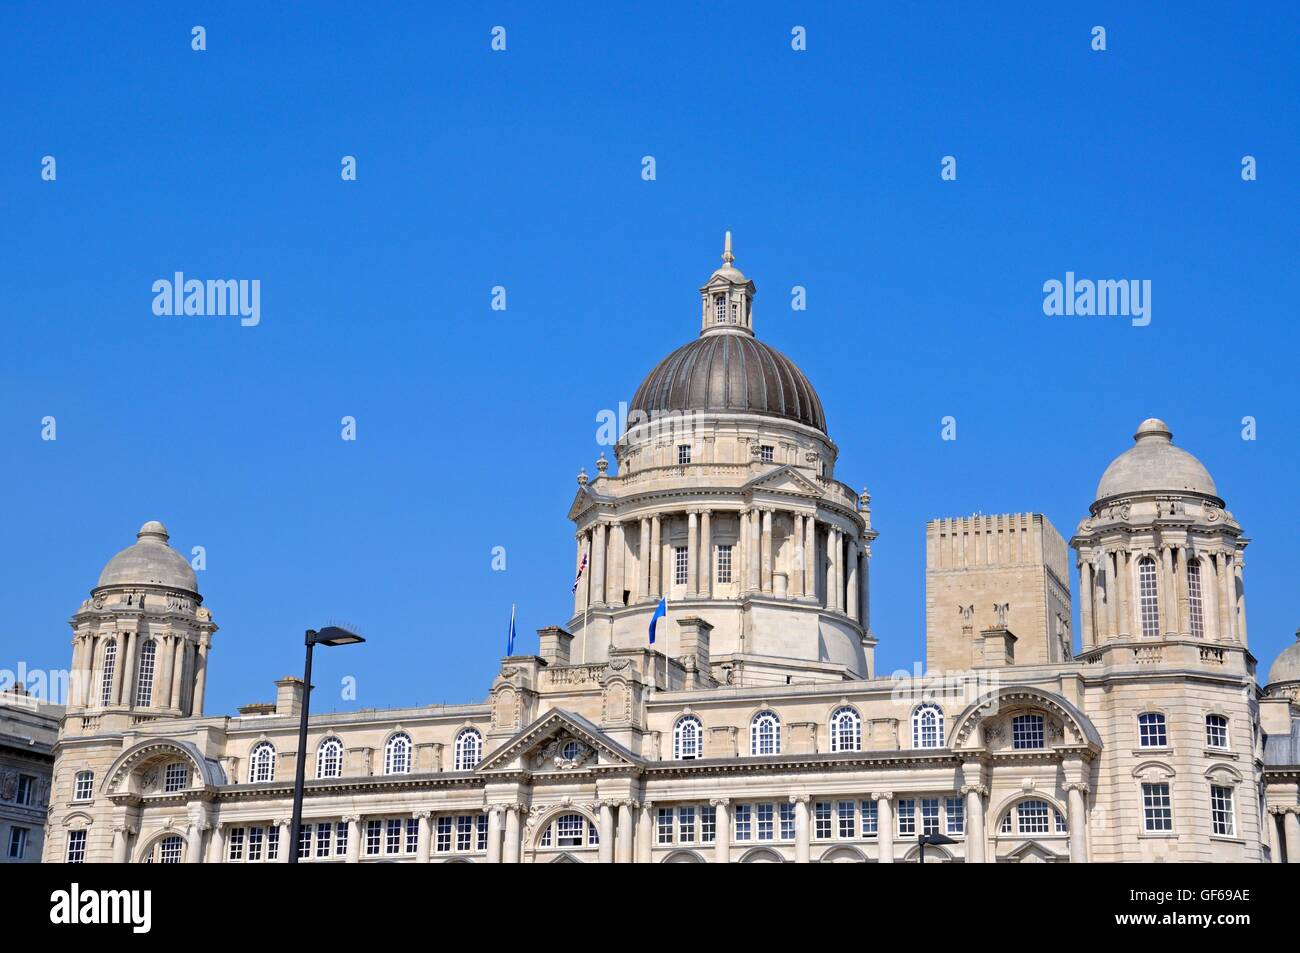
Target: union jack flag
{"x": 578, "y": 578}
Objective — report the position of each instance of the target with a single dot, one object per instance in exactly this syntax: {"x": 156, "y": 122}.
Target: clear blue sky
{"x": 523, "y": 169}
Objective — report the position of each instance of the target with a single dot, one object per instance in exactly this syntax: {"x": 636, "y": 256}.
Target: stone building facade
{"x": 756, "y": 727}
{"x": 28, "y": 730}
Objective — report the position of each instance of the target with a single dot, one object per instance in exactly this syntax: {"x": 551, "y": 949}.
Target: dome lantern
{"x": 727, "y": 297}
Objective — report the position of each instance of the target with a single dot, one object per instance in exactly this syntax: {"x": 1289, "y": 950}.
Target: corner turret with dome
{"x": 725, "y": 502}
{"x": 140, "y": 642}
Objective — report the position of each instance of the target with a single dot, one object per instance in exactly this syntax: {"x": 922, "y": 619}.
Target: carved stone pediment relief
{"x": 563, "y": 752}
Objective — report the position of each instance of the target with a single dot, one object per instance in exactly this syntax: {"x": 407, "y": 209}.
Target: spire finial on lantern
{"x": 727, "y": 256}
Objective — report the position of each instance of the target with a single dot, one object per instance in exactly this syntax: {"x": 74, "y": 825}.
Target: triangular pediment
{"x": 559, "y": 741}
{"x": 784, "y": 479}
{"x": 584, "y": 499}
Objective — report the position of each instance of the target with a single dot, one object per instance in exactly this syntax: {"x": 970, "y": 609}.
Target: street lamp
{"x": 934, "y": 840}
{"x": 330, "y": 635}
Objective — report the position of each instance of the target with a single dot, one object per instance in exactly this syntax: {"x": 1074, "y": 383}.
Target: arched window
{"x": 397, "y": 754}
{"x": 765, "y": 733}
{"x": 687, "y": 735}
{"x": 261, "y": 762}
{"x": 329, "y": 759}
{"x": 1148, "y": 601}
{"x": 1151, "y": 730}
{"x": 469, "y": 749}
{"x": 144, "y": 681}
{"x": 846, "y": 730}
{"x": 169, "y": 850}
{"x": 83, "y": 786}
{"x": 1195, "y": 603}
{"x": 927, "y": 727}
{"x": 106, "y": 683}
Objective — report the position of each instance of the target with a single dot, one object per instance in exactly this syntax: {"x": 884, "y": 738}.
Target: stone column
{"x": 83, "y": 669}
{"x": 643, "y": 562}
{"x": 1168, "y": 595}
{"x": 617, "y": 565}
{"x": 217, "y": 845}
{"x": 864, "y": 597}
{"x": 796, "y": 540}
{"x": 1226, "y": 602}
{"x": 974, "y": 823}
{"x": 692, "y": 554}
{"x": 1124, "y": 576}
{"x": 423, "y": 836}
{"x": 766, "y": 554}
{"x": 851, "y": 583}
{"x": 656, "y": 555}
{"x": 354, "y": 838}
{"x": 285, "y": 826}
{"x": 722, "y": 826}
{"x": 194, "y": 840}
{"x": 162, "y": 676}
{"x": 510, "y": 853}
{"x": 1239, "y": 585}
{"x": 582, "y": 582}
{"x": 126, "y": 690}
{"x": 597, "y": 566}
{"x": 1078, "y": 822}
{"x": 755, "y": 550}
{"x": 1291, "y": 831}
{"x": 201, "y": 675}
{"x": 644, "y": 833}
{"x": 885, "y": 824}
{"x": 178, "y": 673}
{"x": 802, "y": 835}
{"x": 706, "y": 555}
{"x": 1180, "y": 588}
{"x": 835, "y": 588}
{"x": 121, "y": 841}
{"x": 810, "y": 557}
{"x": 623, "y": 855}
{"x": 605, "y": 852}
{"x": 1086, "y": 637}
{"x": 494, "y": 835}
{"x": 1112, "y": 594}
{"x": 1209, "y": 597}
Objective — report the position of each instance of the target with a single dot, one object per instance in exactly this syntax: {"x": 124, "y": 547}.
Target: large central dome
{"x": 727, "y": 369}
{"x": 732, "y": 373}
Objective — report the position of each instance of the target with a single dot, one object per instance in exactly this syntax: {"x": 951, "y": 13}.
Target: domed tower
{"x": 725, "y": 502}
{"x": 140, "y": 642}
{"x": 1284, "y": 676}
{"x": 1159, "y": 556}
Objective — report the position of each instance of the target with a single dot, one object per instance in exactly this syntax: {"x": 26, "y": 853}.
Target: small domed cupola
{"x": 727, "y": 297}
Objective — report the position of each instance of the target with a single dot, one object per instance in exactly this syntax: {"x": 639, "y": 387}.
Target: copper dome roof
{"x": 730, "y": 372}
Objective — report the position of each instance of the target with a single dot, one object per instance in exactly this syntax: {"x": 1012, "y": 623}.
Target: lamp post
{"x": 934, "y": 840}
{"x": 330, "y": 635}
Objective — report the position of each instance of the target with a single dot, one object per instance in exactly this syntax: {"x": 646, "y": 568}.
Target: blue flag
{"x": 510, "y": 638}
{"x": 661, "y": 610}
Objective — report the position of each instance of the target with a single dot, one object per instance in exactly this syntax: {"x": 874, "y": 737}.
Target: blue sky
{"x": 522, "y": 169}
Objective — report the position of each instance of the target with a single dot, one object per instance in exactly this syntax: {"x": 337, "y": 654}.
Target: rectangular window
{"x": 393, "y": 836}
{"x": 708, "y": 824}
{"x": 254, "y": 844}
{"x": 235, "y": 845}
{"x": 683, "y": 454}
{"x": 822, "y": 820}
{"x": 1147, "y": 598}
{"x": 76, "y": 847}
{"x": 724, "y": 563}
{"x": 906, "y": 817}
{"x": 324, "y": 838}
{"x": 929, "y": 815}
{"x": 1027, "y": 731}
{"x": 17, "y": 842}
{"x": 412, "y": 835}
{"x": 568, "y": 830}
{"x": 442, "y": 842}
{"x": 273, "y": 843}
{"x": 954, "y": 809}
{"x": 1195, "y": 602}
{"x": 481, "y": 840}
{"x": 847, "y": 817}
{"x": 1031, "y": 816}
{"x": 304, "y": 841}
{"x": 680, "y": 557}
{"x": 1151, "y": 730}
{"x": 1157, "y": 813}
{"x": 686, "y": 825}
{"x": 1221, "y": 812}
{"x": 374, "y": 832}
{"x": 83, "y": 788}
{"x": 766, "y": 454}
{"x": 765, "y": 813}
{"x": 106, "y": 686}
{"x": 1216, "y": 731}
{"x": 169, "y": 851}
{"x": 787, "y": 821}
{"x": 744, "y": 821}
{"x": 340, "y": 838}
{"x": 464, "y": 832}
{"x": 665, "y": 827}
{"x": 177, "y": 777}
{"x": 870, "y": 819}
{"x": 26, "y": 789}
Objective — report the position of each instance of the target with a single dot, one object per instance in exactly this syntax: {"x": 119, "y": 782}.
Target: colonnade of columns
{"x": 757, "y": 561}
{"x": 1198, "y": 593}
{"x": 176, "y": 679}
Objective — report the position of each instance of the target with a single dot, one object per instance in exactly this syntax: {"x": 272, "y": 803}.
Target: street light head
{"x": 334, "y": 635}
{"x": 936, "y": 840}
